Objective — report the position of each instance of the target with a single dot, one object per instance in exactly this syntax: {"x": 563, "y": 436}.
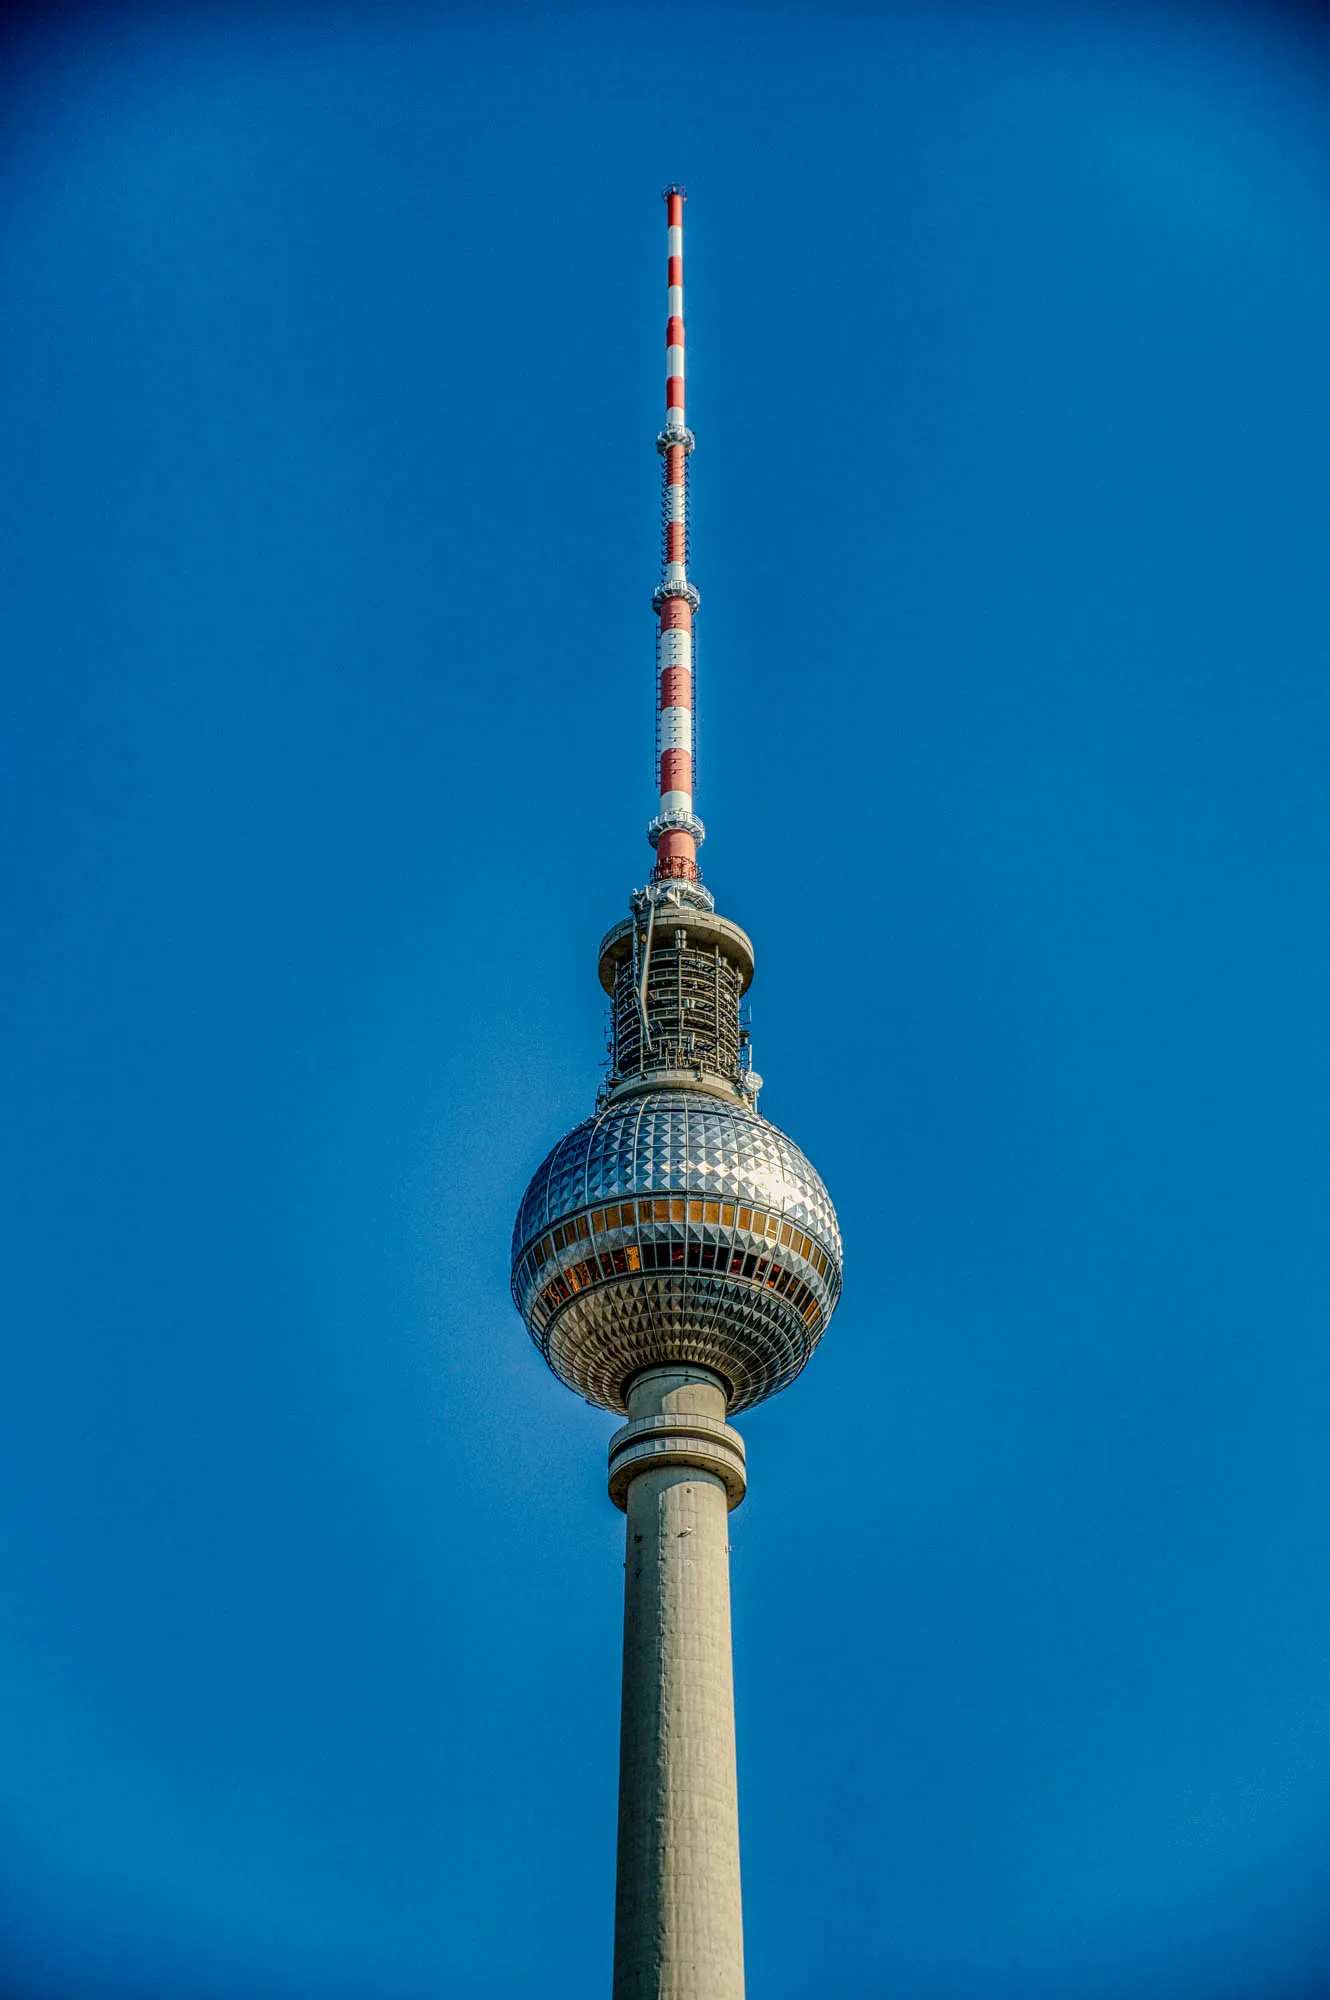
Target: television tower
{"x": 676, "y": 1260}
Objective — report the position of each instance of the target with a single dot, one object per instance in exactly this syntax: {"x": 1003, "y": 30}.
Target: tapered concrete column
{"x": 677, "y": 1469}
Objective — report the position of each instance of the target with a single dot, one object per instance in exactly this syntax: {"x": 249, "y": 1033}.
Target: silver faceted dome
{"x": 675, "y": 1226}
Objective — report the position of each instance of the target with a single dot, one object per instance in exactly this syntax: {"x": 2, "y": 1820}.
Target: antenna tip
{"x": 674, "y": 188}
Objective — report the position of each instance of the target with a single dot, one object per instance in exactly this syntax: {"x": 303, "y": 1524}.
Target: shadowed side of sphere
{"x": 672, "y": 1226}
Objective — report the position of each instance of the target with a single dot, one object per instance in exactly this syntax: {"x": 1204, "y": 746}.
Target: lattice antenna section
{"x": 687, "y": 1017}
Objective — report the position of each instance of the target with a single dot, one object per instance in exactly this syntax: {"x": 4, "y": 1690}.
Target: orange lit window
{"x": 785, "y": 1234}
{"x": 694, "y": 1211}
{"x": 634, "y": 1260}
{"x": 677, "y": 1207}
{"x": 582, "y": 1230}
{"x": 727, "y": 1214}
{"x": 712, "y": 1212}
{"x": 745, "y": 1218}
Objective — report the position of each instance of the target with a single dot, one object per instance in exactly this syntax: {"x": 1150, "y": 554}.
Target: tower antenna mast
{"x": 676, "y": 833}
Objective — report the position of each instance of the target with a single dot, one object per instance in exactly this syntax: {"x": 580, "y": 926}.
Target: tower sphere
{"x": 676, "y": 1226}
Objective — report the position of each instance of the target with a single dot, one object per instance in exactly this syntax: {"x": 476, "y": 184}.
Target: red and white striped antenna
{"x": 676, "y": 833}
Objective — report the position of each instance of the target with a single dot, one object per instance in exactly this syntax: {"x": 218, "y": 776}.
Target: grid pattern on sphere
{"x": 677, "y": 1139}
{"x": 755, "y": 1342}
{"x": 675, "y": 1227}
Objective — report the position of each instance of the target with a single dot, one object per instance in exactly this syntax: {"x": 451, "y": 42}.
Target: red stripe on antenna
{"x": 676, "y": 687}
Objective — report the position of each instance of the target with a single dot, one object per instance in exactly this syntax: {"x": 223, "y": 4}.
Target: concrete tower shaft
{"x": 677, "y": 1469}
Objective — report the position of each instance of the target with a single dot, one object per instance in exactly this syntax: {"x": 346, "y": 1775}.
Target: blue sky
{"x": 330, "y": 384}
